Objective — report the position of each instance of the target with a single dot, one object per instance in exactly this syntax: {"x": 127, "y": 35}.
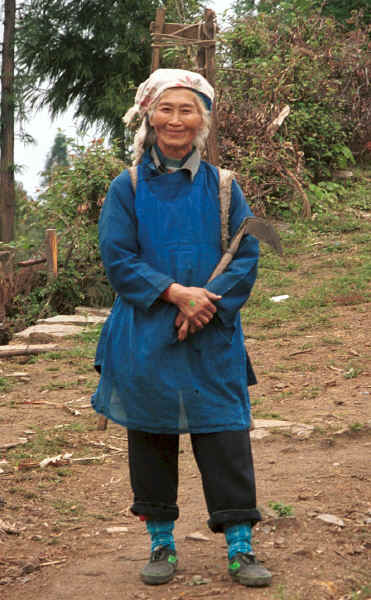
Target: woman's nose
{"x": 175, "y": 117}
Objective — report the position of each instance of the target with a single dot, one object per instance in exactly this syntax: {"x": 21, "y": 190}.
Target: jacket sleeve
{"x": 236, "y": 283}
{"x": 130, "y": 276}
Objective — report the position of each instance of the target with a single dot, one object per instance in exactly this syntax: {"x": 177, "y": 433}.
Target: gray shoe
{"x": 245, "y": 569}
{"x": 161, "y": 566}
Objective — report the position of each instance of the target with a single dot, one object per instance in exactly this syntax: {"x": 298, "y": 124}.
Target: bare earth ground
{"x": 62, "y": 549}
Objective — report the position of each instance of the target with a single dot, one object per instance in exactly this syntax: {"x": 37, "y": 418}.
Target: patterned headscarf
{"x": 162, "y": 79}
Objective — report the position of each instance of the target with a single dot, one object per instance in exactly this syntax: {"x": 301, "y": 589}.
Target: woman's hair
{"x": 145, "y": 137}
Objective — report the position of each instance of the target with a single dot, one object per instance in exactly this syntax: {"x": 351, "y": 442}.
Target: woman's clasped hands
{"x": 196, "y": 308}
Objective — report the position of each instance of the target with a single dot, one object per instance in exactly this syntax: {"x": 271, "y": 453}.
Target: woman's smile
{"x": 176, "y": 121}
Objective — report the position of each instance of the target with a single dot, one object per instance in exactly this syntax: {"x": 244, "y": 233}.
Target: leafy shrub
{"x": 70, "y": 204}
{"x": 307, "y": 62}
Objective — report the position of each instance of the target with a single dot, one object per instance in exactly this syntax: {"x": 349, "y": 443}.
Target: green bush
{"x": 70, "y": 203}
{"x": 308, "y": 62}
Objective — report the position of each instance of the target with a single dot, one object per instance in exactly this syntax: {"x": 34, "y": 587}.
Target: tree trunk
{"x": 7, "y": 186}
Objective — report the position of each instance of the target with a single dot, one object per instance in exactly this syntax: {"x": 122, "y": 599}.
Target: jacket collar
{"x": 192, "y": 164}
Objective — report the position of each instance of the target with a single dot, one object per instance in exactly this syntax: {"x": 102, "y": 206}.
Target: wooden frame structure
{"x": 203, "y": 35}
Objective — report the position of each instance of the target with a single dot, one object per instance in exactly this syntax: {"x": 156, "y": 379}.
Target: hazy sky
{"x": 32, "y": 158}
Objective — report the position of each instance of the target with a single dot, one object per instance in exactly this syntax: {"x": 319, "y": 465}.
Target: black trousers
{"x": 226, "y": 466}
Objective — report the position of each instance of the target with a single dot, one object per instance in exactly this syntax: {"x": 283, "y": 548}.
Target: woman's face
{"x": 176, "y": 121}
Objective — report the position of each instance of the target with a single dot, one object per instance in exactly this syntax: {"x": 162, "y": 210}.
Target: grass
{"x": 5, "y": 385}
{"x": 41, "y": 444}
{"x": 282, "y": 510}
{"x": 331, "y": 341}
{"x": 267, "y": 415}
{"x": 46, "y": 443}
{"x": 339, "y": 275}
{"x": 356, "y": 427}
{"x": 67, "y": 507}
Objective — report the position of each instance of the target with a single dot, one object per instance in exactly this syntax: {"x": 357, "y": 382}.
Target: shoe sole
{"x": 148, "y": 580}
{"x": 256, "y": 582}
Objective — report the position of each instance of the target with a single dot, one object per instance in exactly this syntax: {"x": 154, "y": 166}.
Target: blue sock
{"x": 161, "y": 533}
{"x": 238, "y": 539}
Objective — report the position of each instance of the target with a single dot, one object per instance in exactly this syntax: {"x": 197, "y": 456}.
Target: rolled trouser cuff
{"x": 155, "y": 512}
{"x": 219, "y": 519}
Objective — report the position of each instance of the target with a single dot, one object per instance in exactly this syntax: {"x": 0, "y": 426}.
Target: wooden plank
{"x": 188, "y": 31}
{"x": 31, "y": 262}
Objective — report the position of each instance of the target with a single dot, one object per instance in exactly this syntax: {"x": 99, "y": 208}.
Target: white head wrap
{"x": 163, "y": 79}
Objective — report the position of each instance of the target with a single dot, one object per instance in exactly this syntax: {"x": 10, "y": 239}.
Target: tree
{"x": 56, "y": 157}
{"x": 93, "y": 53}
{"x": 342, "y": 9}
{"x": 7, "y": 188}
{"x": 339, "y": 9}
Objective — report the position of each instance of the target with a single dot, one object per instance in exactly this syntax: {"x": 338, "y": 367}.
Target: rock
{"x": 80, "y": 319}
{"x": 258, "y": 434}
{"x": 52, "y": 330}
{"x": 40, "y": 337}
{"x": 332, "y": 519}
{"x": 116, "y": 530}
{"x": 30, "y": 567}
{"x": 302, "y": 431}
{"x": 87, "y": 310}
{"x": 199, "y": 580}
{"x": 273, "y": 423}
{"x": 303, "y": 552}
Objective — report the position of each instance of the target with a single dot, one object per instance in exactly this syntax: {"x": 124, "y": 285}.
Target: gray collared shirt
{"x": 192, "y": 164}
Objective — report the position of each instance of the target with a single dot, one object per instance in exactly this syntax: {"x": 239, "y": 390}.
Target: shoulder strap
{"x": 225, "y": 188}
{"x": 133, "y": 172}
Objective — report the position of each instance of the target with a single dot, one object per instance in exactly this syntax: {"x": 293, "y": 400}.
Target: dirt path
{"x": 62, "y": 546}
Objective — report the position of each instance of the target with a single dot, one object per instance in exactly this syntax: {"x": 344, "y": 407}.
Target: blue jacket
{"x": 169, "y": 231}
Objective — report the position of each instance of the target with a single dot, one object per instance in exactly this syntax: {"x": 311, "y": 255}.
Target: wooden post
{"x": 102, "y": 423}
{"x": 6, "y": 278}
{"x": 52, "y": 253}
{"x": 158, "y": 27}
{"x": 206, "y": 63}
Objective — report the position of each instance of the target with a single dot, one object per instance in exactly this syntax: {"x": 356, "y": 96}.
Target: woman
{"x": 171, "y": 354}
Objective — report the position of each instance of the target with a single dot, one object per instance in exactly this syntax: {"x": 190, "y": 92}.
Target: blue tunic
{"x": 169, "y": 231}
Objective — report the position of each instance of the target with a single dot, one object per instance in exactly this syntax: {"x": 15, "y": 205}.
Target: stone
{"x": 73, "y": 320}
{"x": 87, "y": 310}
{"x": 40, "y": 337}
{"x": 332, "y": 519}
{"x": 116, "y": 530}
{"x": 258, "y": 434}
{"x": 52, "y": 330}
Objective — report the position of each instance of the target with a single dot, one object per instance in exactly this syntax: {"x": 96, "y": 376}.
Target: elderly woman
{"x": 171, "y": 354}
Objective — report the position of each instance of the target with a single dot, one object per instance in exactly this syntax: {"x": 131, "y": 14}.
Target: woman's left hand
{"x": 185, "y": 327}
